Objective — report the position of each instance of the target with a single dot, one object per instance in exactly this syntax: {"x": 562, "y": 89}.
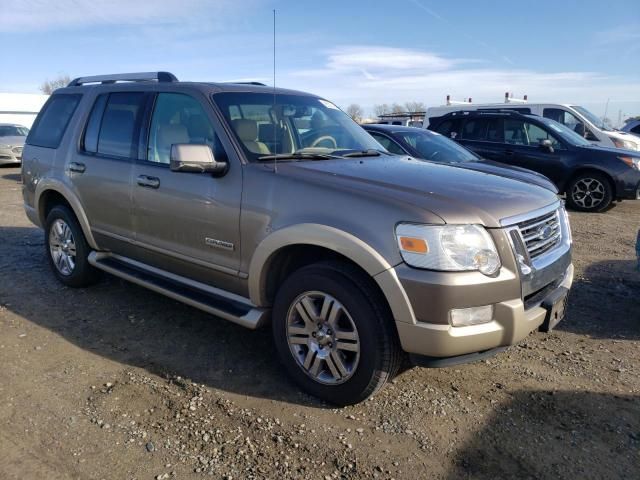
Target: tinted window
{"x": 475, "y": 129}
{"x": 495, "y": 131}
{"x": 118, "y": 130}
{"x": 387, "y": 143}
{"x": 52, "y": 121}
{"x": 449, "y": 128}
{"x": 636, "y": 129}
{"x": 179, "y": 118}
{"x": 93, "y": 125}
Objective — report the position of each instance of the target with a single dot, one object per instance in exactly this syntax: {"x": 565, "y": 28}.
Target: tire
{"x": 590, "y": 192}
{"x": 360, "y": 320}
{"x": 67, "y": 249}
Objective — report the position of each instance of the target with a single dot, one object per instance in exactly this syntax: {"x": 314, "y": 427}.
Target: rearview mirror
{"x": 547, "y": 145}
{"x": 194, "y": 158}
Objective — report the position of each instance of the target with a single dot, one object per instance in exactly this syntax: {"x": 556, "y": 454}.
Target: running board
{"x": 229, "y": 306}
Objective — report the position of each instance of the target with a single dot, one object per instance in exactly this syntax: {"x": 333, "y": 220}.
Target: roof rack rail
{"x": 260, "y": 84}
{"x": 484, "y": 111}
{"x": 124, "y": 77}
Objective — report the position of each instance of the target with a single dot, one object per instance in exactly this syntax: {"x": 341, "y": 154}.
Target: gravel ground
{"x": 117, "y": 382}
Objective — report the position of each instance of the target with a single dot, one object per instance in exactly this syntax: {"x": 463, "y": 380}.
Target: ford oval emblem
{"x": 546, "y": 232}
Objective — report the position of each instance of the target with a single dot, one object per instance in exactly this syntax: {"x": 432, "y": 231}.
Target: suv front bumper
{"x": 511, "y": 323}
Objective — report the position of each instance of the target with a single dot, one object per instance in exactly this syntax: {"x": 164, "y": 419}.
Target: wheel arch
{"x": 586, "y": 169}
{"x": 290, "y": 248}
{"x": 51, "y": 193}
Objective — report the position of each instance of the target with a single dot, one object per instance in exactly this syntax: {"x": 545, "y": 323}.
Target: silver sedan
{"x": 12, "y": 137}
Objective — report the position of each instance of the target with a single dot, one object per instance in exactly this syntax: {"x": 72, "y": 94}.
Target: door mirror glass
{"x": 195, "y": 158}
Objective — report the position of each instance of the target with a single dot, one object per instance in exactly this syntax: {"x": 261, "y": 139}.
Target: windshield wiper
{"x": 298, "y": 156}
{"x": 362, "y": 153}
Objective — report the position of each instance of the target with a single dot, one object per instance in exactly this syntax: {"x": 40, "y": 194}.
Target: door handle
{"x": 149, "y": 182}
{"x": 509, "y": 152}
{"x": 77, "y": 167}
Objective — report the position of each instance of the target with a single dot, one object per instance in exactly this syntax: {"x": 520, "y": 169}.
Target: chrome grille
{"x": 541, "y": 234}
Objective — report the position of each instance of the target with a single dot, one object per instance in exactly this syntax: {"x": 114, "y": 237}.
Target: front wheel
{"x": 589, "y": 192}
{"x": 334, "y": 334}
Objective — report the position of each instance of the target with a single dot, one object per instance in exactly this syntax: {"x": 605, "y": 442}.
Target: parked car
{"x": 355, "y": 256}
{"x": 633, "y": 127}
{"x": 591, "y": 176}
{"x": 575, "y": 117}
{"x": 428, "y": 145}
{"x": 12, "y": 138}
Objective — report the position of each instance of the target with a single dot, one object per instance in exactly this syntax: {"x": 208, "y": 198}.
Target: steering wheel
{"x": 322, "y": 139}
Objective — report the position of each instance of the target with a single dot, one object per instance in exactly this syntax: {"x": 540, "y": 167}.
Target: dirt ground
{"x": 117, "y": 382}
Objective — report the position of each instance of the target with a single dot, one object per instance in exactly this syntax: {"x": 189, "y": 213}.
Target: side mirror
{"x": 546, "y": 145}
{"x": 193, "y": 158}
{"x": 580, "y": 129}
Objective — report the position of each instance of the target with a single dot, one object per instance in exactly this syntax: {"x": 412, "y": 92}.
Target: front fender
{"x": 340, "y": 242}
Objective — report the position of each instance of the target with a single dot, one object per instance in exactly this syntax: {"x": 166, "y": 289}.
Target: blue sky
{"x": 365, "y": 52}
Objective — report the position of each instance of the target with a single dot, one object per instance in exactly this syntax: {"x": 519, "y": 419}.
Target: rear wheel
{"x": 590, "y": 192}
{"x": 67, "y": 249}
{"x": 334, "y": 334}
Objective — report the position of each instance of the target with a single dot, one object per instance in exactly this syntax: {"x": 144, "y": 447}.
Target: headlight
{"x": 629, "y": 145}
{"x": 633, "y": 162}
{"x": 451, "y": 248}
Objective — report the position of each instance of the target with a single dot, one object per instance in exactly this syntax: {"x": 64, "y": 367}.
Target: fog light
{"x": 462, "y": 317}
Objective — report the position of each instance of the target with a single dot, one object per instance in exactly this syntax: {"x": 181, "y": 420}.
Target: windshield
{"x": 13, "y": 131}
{"x": 591, "y": 117}
{"x": 291, "y": 124}
{"x": 565, "y": 132}
{"x": 433, "y": 146}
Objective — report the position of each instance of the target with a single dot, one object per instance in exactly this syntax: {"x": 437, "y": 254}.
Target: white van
{"x": 575, "y": 117}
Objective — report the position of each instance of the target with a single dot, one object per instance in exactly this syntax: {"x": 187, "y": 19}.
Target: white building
{"x": 20, "y": 108}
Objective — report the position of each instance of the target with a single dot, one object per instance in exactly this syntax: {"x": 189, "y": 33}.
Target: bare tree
{"x": 355, "y": 111}
{"x": 397, "y": 108}
{"x": 48, "y": 86}
{"x": 381, "y": 109}
{"x": 415, "y": 106}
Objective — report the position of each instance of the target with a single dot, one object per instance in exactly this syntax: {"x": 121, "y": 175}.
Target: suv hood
{"x": 457, "y": 195}
{"x": 620, "y": 135}
{"x": 510, "y": 171}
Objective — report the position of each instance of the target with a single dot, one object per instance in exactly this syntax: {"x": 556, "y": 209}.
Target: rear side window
{"x": 636, "y": 129}
{"x": 52, "y": 121}
{"x": 93, "y": 125}
{"x": 475, "y": 129}
{"x": 448, "y": 128}
{"x": 118, "y": 133}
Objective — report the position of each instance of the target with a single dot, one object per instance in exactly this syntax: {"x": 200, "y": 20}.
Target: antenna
{"x": 275, "y": 115}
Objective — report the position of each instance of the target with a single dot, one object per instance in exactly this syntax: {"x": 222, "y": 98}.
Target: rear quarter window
{"x": 53, "y": 120}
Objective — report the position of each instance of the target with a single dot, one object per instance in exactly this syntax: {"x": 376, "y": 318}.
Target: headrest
{"x": 246, "y": 129}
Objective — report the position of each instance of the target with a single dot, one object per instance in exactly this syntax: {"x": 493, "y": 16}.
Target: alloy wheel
{"x": 588, "y": 192}
{"x": 62, "y": 247}
{"x": 323, "y": 338}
